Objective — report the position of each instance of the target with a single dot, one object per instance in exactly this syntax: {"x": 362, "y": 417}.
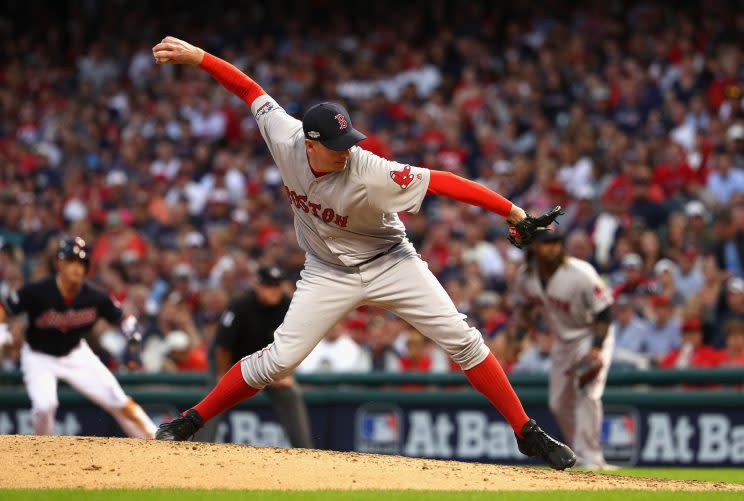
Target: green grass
{"x": 731, "y": 475}
{"x": 198, "y": 495}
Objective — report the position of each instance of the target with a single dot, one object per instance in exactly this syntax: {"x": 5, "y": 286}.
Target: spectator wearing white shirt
{"x": 479, "y": 250}
{"x": 206, "y": 122}
{"x": 166, "y": 165}
{"x": 97, "y": 67}
{"x": 536, "y": 358}
{"x": 630, "y": 333}
{"x": 184, "y": 186}
{"x": 689, "y": 277}
{"x": 576, "y": 172}
{"x": 665, "y": 333}
{"x": 665, "y": 271}
{"x": 726, "y": 179}
{"x": 225, "y": 175}
{"x": 336, "y": 352}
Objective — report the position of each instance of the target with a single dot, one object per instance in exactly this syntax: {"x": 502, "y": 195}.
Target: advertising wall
{"x": 470, "y": 430}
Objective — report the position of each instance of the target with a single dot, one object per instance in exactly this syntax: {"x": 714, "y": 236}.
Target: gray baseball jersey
{"x": 574, "y": 295}
{"x": 343, "y": 220}
{"x": 347, "y": 217}
{"x": 571, "y": 299}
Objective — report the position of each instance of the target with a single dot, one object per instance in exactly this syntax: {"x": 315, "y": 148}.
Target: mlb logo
{"x": 620, "y": 435}
{"x": 618, "y": 431}
{"x": 378, "y": 429}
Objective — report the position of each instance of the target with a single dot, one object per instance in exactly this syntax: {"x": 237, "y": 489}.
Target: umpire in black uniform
{"x": 248, "y": 326}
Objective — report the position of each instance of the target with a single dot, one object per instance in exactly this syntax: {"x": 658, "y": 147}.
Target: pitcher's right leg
{"x": 324, "y": 296}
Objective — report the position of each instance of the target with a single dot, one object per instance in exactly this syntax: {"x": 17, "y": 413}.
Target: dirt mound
{"x": 89, "y": 462}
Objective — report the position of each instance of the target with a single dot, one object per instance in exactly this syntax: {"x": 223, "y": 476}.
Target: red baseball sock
{"x": 230, "y": 390}
{"x": 489, "y": 378}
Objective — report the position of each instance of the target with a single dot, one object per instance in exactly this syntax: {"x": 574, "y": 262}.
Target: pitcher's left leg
{"x": 412, "y": 292}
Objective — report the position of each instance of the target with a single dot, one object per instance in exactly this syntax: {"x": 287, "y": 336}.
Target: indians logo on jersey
{"x": 402, "y": 177}
{"x": 66, "y": 320}
{"x": 341, "y": 121}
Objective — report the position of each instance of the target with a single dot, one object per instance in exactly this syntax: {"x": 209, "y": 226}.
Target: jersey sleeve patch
{"x": 403, "y": 177}
{"x": 391, "y": 186}
{"x": 600, "y": 296}
{"x": 265, "y": 108}
{"x": 276, "y": 126}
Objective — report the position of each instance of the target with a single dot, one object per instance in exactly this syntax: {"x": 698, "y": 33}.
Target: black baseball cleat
{"x": 182, "y": 428}
{"x": 538, "y": 443}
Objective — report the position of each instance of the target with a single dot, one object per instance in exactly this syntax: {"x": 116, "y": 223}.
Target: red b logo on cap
{"x": 341, "y": 121}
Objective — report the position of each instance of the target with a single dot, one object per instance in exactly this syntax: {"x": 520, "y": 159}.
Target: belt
{"x": 377, "y": 256}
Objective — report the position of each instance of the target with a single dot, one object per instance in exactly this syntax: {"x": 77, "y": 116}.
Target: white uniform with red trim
{"x": 356, "y": 251}
{"x": 571, "y": 299}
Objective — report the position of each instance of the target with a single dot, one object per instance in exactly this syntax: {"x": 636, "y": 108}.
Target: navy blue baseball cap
{"x": 270, "y": 275}
{"x": 330, "y": 124}
{"x": 74, "y": 248}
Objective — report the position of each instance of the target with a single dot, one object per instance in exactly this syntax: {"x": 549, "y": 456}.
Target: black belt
{"x": 377, "y": 256}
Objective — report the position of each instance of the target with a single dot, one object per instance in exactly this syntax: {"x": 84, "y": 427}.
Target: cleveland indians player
{"x": 576, "y": 305}
{"x": 61, "y": 310}
{"x": 345, "y": 202}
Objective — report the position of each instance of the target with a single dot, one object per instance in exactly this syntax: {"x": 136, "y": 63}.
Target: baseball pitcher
{"x": 345, "y": 202}
{"x": 61, "y": 310}
{"x": 576, "y": 305}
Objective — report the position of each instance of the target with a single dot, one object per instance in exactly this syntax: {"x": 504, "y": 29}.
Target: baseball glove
{"x": 524, "y": 232}
{"x": 587, "y": 369}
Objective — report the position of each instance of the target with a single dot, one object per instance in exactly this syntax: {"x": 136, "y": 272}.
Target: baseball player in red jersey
{"x": 345, "y": 202}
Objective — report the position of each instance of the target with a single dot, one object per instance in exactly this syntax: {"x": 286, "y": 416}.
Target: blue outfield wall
{"x": 642, "y": 426}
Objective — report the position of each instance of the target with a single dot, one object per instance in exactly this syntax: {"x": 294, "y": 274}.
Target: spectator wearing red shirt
{"x": 620, "y": 186}
{"x": 674, "y": 175}
{"x": 181, "y": 356}
{"x": 115, "y": 241}
{"x": 734, "y": 351}
{"x": 417, "y": 357}
{"x": 635, "y": 281}
{"x": 692, "y": 353}
{"x": 490, "y": 312}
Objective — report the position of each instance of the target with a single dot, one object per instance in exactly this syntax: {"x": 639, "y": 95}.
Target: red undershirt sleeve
{"x": 232, "y": 78}
{"x": 464, "y": 190}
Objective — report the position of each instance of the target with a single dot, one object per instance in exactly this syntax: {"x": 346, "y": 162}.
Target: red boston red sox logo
{"x": 341, "y": 121}
{"x": 402, "y": 177}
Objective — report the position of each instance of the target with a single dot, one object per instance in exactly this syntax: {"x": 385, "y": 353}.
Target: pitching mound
{"x": 89, "y": 462}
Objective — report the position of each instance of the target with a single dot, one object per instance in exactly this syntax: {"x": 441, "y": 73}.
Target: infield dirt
{"x": 100, "y": 463}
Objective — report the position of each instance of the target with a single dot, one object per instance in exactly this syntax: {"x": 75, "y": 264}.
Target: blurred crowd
{"x": 628, "y": 114}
